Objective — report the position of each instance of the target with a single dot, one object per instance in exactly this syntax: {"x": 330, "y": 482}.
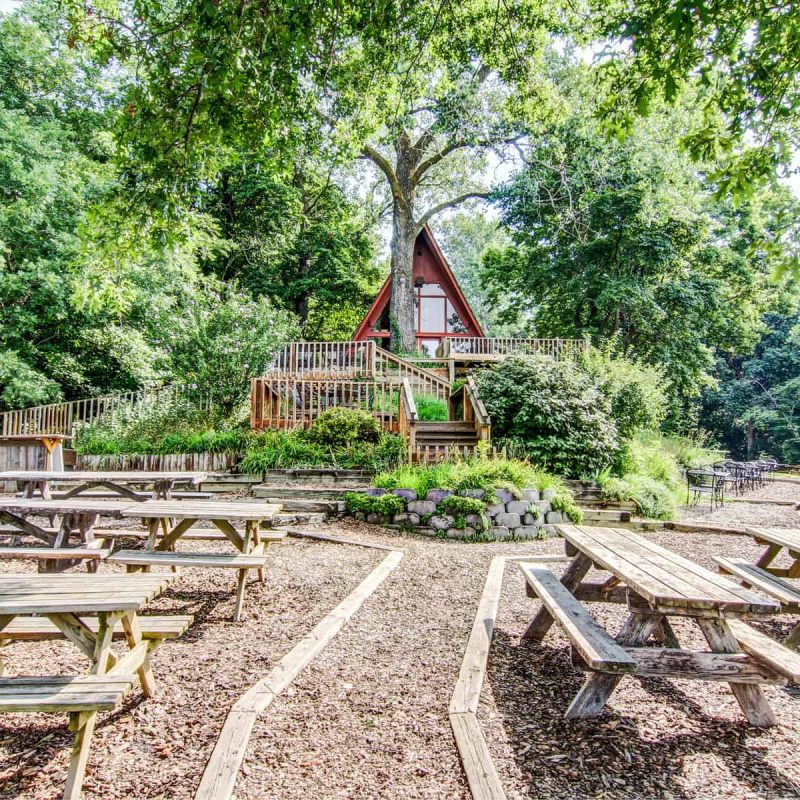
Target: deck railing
{"x": 61, "y": 418}
{"x": 454, "y": 346}
{"x": 296, "y": 402}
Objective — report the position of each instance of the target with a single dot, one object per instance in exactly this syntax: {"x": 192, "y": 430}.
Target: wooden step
{"x": 40, "y": 628}
{"x": 605, "y": 515}
{"x": 55, "y": 553}
{"x": 146, "y": 558}
{"x": 65, "y": 694}
{"x": 598, "y": 650}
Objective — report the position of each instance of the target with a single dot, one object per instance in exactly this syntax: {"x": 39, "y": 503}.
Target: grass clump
{"x": 386, "y": 505}
{"x": 457, "y": 505}
{"x": 431, "y": 409}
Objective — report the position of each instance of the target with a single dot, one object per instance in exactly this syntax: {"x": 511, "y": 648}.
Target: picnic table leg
{"x": 133, "y": 635}
{"x": 791, "y": 641}
{"x": 82, "y": 723}
{"x": 597, "y": 688}
{"x": 241, "y": 583}
{"x": 768, "y": 556}
{"x": 749, "y": 695}
{"x": 572, "y": 577}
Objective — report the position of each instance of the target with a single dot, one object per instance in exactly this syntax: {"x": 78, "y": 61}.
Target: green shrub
{"x": 553, "y": 411}
{"x": 635, "y": 390}
{"x": 566, "y": 505}
{"x": 431, "y": 409}
{"x": 456, "y": 504}
{"x": 342, "y": 427}
{"x": 386, "y": 505}
{"x": 283, "y": 450}
{"x": 653, "y": 500}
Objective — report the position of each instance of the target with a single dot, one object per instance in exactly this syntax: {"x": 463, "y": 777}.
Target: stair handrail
{"x": 407, "y": 417}
{"x": 431, "y": 382}
{"x": 475, "y": 411}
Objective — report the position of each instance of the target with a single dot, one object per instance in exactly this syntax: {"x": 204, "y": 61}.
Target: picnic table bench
{"x": 86, "y": 610}
{"x": 768, "y": 578}
{"x": 656, "y": 585}
{"x": 35, "y": 482}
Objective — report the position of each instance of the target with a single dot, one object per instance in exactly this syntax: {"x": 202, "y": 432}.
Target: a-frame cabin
{"x": 439, "y": 304}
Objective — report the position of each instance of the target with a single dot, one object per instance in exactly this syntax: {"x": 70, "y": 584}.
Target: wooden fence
{"x": 169, "y": 462}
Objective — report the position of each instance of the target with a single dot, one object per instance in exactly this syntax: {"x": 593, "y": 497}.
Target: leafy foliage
{"x": 554, "y": 411}
{"x": 385, "y": 505}
{"x": 431, "y": 409}
{"x": 342, "y": 427}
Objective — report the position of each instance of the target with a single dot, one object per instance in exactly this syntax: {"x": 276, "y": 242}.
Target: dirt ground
{"x": 368, "y": 718}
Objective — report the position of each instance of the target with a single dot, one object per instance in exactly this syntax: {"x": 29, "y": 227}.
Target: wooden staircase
{"x": 437, "y": 440}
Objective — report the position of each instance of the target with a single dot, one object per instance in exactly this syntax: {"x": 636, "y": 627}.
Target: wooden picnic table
{"x": 777, "y": 540}
{"x": 176, "y": 518}
{"x": 656, "y": 585}
{"x": 33, "y": 482}
{"x": 66, "y": 601}
{"x": 68, "y": 518}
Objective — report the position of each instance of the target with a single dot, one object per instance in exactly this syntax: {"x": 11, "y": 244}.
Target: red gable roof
{"x": 431, "y": 266}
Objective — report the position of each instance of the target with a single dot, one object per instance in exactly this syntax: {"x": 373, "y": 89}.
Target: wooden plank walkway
{"x": 219, "y": 777}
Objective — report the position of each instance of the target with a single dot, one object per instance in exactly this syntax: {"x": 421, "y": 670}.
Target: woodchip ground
{"x": 368, "y": 718}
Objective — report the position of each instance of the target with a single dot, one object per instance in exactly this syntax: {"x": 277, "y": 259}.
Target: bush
{"x": 343, "y": 427}
{"x": 456, "y": 505}
{"x": 566, "y": 505}
{"x": 386, "y": 505}
{"x": 635, "y": 391}
{"x": 653, "y": 499}
{"x": 282, "y": 450}
{"x": 431, "y": 409}
{"x": 553, "y": 412}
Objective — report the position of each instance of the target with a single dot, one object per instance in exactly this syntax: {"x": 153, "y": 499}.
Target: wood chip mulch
{"x": 368, "y": 718}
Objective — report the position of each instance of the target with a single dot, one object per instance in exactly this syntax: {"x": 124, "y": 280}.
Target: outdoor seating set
{"x": 737, "y": 476}
{"x": 95, "y": 609}
{"x": 657, "y": 586}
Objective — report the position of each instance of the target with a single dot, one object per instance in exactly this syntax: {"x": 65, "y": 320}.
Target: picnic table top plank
{"x": 60, "y": 594}
{"x": 785, "y": 537}
{"x": 189, "y": 509}
{"x": 40, "y": 506}
{"x": 661, "y": 577}
{"x": 78, "y": 476}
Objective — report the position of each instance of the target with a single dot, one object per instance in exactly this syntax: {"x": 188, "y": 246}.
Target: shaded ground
{"x": 368, "y": 718}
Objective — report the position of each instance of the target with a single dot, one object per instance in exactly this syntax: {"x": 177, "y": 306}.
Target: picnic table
{"x": 769, "y": 578}
{"x": 656, "y": 585}
{"x": 33, "y": 482}
{"x": 68, "y": 518}
{"x": 168, "y": 521}
{"x": 86, "y": 610}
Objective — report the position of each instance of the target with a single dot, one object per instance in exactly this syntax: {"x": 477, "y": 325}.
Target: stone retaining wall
{"x": 527, "y": 517}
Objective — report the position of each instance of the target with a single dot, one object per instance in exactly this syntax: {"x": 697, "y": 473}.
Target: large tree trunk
{"x": 401, "y": 313}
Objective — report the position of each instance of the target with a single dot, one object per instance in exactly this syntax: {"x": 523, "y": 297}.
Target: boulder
{"x": 504, "y": 496}
{"x": 532, "y": 519}
{"x": 435, "y": 495}
{"x": 421, "y": 507}
{"x": 478, "y": 494}
{"x": 441, "y": 522}
{"x": 528, "y": 532}
{"x": 497, "y": 508}
{"x": 376, "y": 519}
{"x": 508, "y": 520}
{"x": 406, "y": 519}
{"x": 518, "y": 507}
{"x": 548, "y": 494}
{"x": 531, "y": 495}
{"x": 553, "y": 518}
{"x": 373, "y": 492}
{"x": 406, "y": 494}
{"x": 475, "y": 521}
{"x": 499, "y": 532}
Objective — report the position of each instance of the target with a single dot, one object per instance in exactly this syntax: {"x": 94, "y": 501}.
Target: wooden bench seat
{"x": 108, "y": 495}
{"x": 598, "y": 650}
{"x": 773, "y": 586}
{"x": 757, "y": 644}
{"x": 40, "y": 628}
{"x": 195, "y": 534}
{"x": 55, "y": 553}
{"x": 146, "y": 558}
{"x": 72, "y": 693}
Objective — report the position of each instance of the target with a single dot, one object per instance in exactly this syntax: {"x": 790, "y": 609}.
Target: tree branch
{"x": 371, "y": 154}
{"x": 458, "y": 144}
{"x": 439, "y": 207}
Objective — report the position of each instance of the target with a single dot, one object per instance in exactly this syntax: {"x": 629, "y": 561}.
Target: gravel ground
{"x": 759, "y": 514}
{"x": 368, "y": 718}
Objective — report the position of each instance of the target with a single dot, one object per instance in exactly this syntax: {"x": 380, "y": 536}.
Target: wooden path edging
{"x": 484, "y": 783}
{"x": 219, "y": 777}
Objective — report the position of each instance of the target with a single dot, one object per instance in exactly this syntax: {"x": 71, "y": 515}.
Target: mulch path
{"x": 368, "y": 718}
